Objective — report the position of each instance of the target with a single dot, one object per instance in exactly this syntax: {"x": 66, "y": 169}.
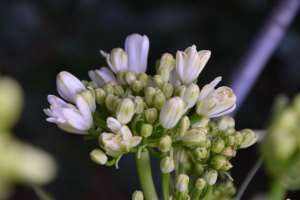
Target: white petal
{"x": 103, "y": 53}
{"x": 94, "y": 78}
{"x": 84, "y": 109}
{"x": 71, "y": 130}
{"x": 113, "y": 124}
{"x": 206, "y": 90}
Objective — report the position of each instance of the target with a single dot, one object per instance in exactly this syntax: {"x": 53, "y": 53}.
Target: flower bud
{"x": 167, "y": 165}
{"x": 109, "y": 89}
{"x": 109, "y": 102}
{"x": 150, "y": 95}
{"x": 201, "y": 153}
{"x": 164, "y": 72}
{"x": 212, "y": 124}
{"x": 229, "y": 141}
{"x": 181, "y": 182}
{"x": 217, "y": 162}
{"x": 248, "y": 138}
{"x": 93, "y": 85}
{"x": 138, "y": 105}
{"x": 182, "y": 154}
{"x": 138, "y": 195}
{"x": 143, "y": 78}
{"x": 159, "y": 101}
{"x": 227, "y": 152}
{"x": 158, "y": 80}
{"x": 137, "y": 86}
{"x": 151, "y": 115}
{"x": 89, "y": 97}
{"x": 125, "y": 111}
{"x": 184, "y": 126}
{"x": 171, "y": 112}
{"x": 189, "y": 94}
{"x": 165, "y": 143}
{"x": 203, "y": 122}
{"x": 118, "y": 91}
{"x": 121, "y": 77}
{"x": 130, "y": 77}
{"x": 146, "y": 130}
{"x": 230, "y": 131}
{"x": 129, "y": 91}
{"x": 211, "y": 177}
{"x": 200, "y": 183}
{"x": 227, "y": 166}
{"x": 85, "y": 83}
{"x": 179, "y": 89}
{"x": 167, "y": 89}
{"x": 167, "y": 60}
{"x": 231, "y": 122}
{"x": 218, "y": 145}
{"x": 207, "y": 144}
{"x": 223, "y": 123}
{"x": 238, "y": 138}
{"x": 193, "y": 138}
{"x": 98, "y": 156}
{"x": 117, "y": 60}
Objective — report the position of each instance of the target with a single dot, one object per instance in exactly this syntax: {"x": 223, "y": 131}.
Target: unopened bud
{"x": 138, "y": 195}
{"x": 129, "y": 91}
{"x": 146, "y": 130}
{"x": 85, "y": 83}
{"x": 184, "y": 126}
{"x": 164, "y": 72}
{"x": 109, "y": 102}
{"x": 159, "y": 101}
{"x": 137, "y": 86}
{"x": 158, "y": 80}
{"x": 151, "y": 115}
{"x": 223, "y": 123}
{"x": 207, "y": 144}
{"x": 125, "y": 111}
{"x": 167, "y": 60}
{"x": 89, "y": 97}
{"x": 167, "y": 165}
{"x": 121, "y": 77}
{"x": 143, "y": 78}
{"x": 200, "y": 183}
{"x": 167, "y": 89}
{"x": 150, "y": 94}
{"x": 165, "y": 143}
{"x": 179, "y": 89}
{"x": 218, "y": 145}
{"x": 182, "y": 154}
{"x": 212, "y": 124}
{"x": 130, "y": 77}
{"x": 230, "y": 131}
{"x": 118, "y": 91}
{"x": 181, "y": 182}
{"x": 217, "y": 162}
{"x": 203, "y": 122}
{"x": 189, "y": 94}
{"x": 98, "y": 156}
{"x": 193, "y": 138}
{"x": 229, "y": 141}
{"x": 231, "y": 122}
{"x": 108, "y": 88}
{"x": 227, "y": 152}
{"x": 226, "y": 166}
{"x": 93, "y": 85}
{"x": 248, "y": 138}
{"x": 211, "y": 177}
{"x": 201, "y": 153}
{"x": 138, "y": 105}
{"x": 238, "y": 138}
{"x": 100, "y": 95}
{"x": 214, "y": 131}
{"x": 171, "y": 112}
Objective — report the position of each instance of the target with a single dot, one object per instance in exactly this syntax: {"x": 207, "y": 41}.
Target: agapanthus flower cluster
{"x": 129, "y": 111}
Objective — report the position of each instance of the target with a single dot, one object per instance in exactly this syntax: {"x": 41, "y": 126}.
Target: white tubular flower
{"x": 117, "y": 60}
{"x": 174, "y": 80}
{"x": 68, "y": 117}
{"x": 215, "y": 103}
{"x": 190, "y": 63}
{"x": 102, "y": 76}
{"x": 125, "y": 111}
{"x": 189, "y": 94}
{"x": 137, "y": 48}
{"x": 67, "y": 84}
{"x": 171, "y": 112}
{"x": 120, "y": 143}
{"x": 113, "y": 124}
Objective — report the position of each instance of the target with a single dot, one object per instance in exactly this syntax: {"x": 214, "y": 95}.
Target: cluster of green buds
{"x": 223, "y": 190}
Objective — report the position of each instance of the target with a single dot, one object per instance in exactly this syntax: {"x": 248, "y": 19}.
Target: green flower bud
{"x": 171, "y": 112}
{"x": 98, "y": 156}
{"x": 109, "y": 89}
{"x": 207, "y": 144}
{"x": 125, "y": 111}
{"x": 218, "y": 145}
{"x": 248, "y": 138}
{"x": 118, "y": 91}
{"x": 159, "y": 101}
{"x": 203, "y": 122}
{"x": 151, "y": 115}
{"x": 229, "y": 141}
{"x": 146, "y": 130}
{"x": 231, "y": 122}
{"x": 138, "y": 195}
{"x": 89, "y": 97}
{"x": 189, "y": 94}
{"x": 164, "y": 72}
{"x": 227, "y": 152}
{"x": 100, "y": 96}
{"x": 227, "y": 166}
{"x": 179, "y": 89}
{"x": 182, "y": 154}
{"x": 214, "y": 131}
{"x": 130, "y": 77}
{"x": 158, "y": 80}
{"x": 167, "y": 89}
{"x": 129, "y": 91}
{"x": 85, "y": 83}
{"x": 138, "y": 105}
{"x": 150, "y": 95}
{"x": 165, "y": 143}
{"x": 223, "y": 123}
{"x": 212, "y": 124}
{"x": 181, "y": 182}
{"x": 184, "y": 126}
{"x": 200, "y": 152}
{"x": 238, "y": 138}
{"x": 112, "y": 83}
{"x": 109, "y": 102}
{"x": 200, "y": 183}
{"x": 193, "y": 138}
{"x": 93, "y": 85}
{"x": 80, "y": 90}
{"x": 167, "y": 60}
{"x": 167, "y": 165}
{"x": 143, "y": 78}
{"x": 121, "y": 77}
{"x": 230, "y": 131}
{"x": 217, "y": 162}
{"x": 137, "y": 86}
{"x": 211, "y": 177}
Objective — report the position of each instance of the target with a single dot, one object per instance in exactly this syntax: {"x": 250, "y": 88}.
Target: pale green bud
{"x": 159, "y": 101}
{"x": 137, "y": 86}
{"x": 179, "y": 89}
{"x": 203, "y": 122}
{"x": 167, "y": 89}
{"x": 109, "y": 102}
{"x": 151, "y": 115}
{"x": 98, "y": 156}
{"x": 227, "y": 165}
{"x": 117, "y": 60}
{"x": 230, "y": 131}
{"x": 164, "y": 72}
{"x": 158, "y": 80}
{"x": 189, "y": 94}
{"x": 150, "y": 94}
{"x": 146, "y": 130}
{"x": 165, "y": 143}
{"x": 200, "y": 183}
{"x": 231, "y": 122}
{"x": 215, "y": 131}
{"x": 171, "y": 112}
{"x": 93, "y": 85}
{"x": 181, "y": 182}
{"x": 182, "y": 154}
{"x": 248, "y": 138}
{"x": 207, "y": 144}
{"x": 143, "y": 78}
{"x": 130, "y": 77}
{"x": 227, "y": 152}
{"x": 138, "y": 105}
{"x": 112, "y": 83}
{"x": 167, "y": 60}
{"x": 211, "y": 177}
{"x": 125, "y": 111}
{"x": 121, "y": 77}
{"x": 109, "y": 89}
{"x": 129, "y": 91}
{"x": 80, "y": 90}
{"x": 167, "y": 165}
{"x": 200, "y": 152}
{"x": 100, "y": 96}
{"x": 212, "y": 124}
{"x": 138, "y": 195}
{"x": 238, "y": 138}
{"x": 118, "y": 91}
{"x": 217, "y": 162}
{"x": 89, "y": 97}
{"x": 223, "y": 123}
{"x": 184, "y": 126}
{"x": 229, "y": 141}
{"x": 193, "y": 138}
{"x": 218, "y": 145}
{"x": 85, "y": 83}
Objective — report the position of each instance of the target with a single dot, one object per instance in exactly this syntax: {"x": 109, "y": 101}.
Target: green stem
{"x": 110, "y": 163}
{"x": 197, "y": 195}
{"x": 154, "y": 153}
{"x": 177, "y": 144}
{"x": 180, "y": 168}
{"x": 207, "y": 195}
{"x": 180, "y": 196}
{"x": 145, "y": 175}
{"x": 93, "y": 132}
{"x": 165, "y": 186}
{"x": 277, "y": 191}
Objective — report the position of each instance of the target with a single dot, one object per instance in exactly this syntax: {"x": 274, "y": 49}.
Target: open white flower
{"x": 102, "y": 76}
{"x": 215, "y": 103}
{"x": 117, "y": 60}
{"x": 190, "y": 63}
{"x": 68, "y": 117}
{"x": 113, "y": 124}
{"x": 67, "y": 84}
{"x": 137, "y": 49}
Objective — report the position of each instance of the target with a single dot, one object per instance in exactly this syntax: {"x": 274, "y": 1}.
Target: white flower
{"x": 102, "y": 76}
{"x": 174, "y": 80}
{"x": 113, "y": 124}
{"x": 67, "y": 84}
{"x": 68, "y": 117}
{"x": 117, "y": 60}
{"x": 137, "y": 48}
{"x": 171, "y": 112}
{"x": 190, "y": 63}
{"x": 215, "y": 103}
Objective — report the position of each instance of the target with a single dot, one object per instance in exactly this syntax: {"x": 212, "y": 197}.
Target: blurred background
{"x": 40, "y": 38}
